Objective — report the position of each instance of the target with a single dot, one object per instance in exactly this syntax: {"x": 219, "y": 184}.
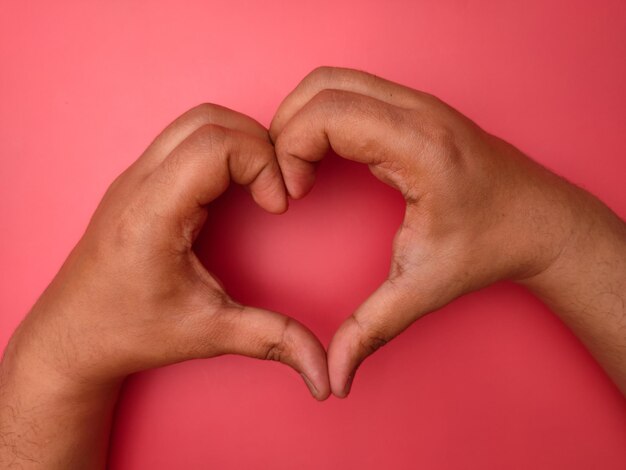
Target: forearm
{"x": 586, "y": 285}
{"x": 49, "y": 422}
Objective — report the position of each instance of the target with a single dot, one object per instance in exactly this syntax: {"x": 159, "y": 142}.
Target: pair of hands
{"x": 132, "y": 295}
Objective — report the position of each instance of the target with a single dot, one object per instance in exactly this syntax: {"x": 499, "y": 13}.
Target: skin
{"x": 132, "y": 295}
{"x": 477, "y": 211}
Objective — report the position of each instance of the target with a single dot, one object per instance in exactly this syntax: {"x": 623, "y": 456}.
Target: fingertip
{"x": 341, "y": 388}
{"x": 315, "y": 374}
{"x": 343, "y": 360}
{"x": 298, "y": 174}
{"x": 310, "y": 361}
{"x": 343, "y": 391}
{"x": 276, "y": 205}
{"x": 268, "y": 190}
{"x": 299, "y": 185}
{"x": 317, "y": 393}
{"x": 273, "y": 205}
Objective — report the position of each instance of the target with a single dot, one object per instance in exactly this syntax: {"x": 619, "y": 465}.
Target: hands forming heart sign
{"x": 132, "y": 295}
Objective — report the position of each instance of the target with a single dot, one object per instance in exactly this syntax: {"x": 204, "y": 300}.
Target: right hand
{"x": 477, "y": 209}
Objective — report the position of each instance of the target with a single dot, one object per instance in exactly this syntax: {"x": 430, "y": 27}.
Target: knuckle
{"x": 207, "y": 139}
{"x": 128, "y": 229}
{"x": 371, "y": 338}
{"x": 199, "y": 114}
{"x": 372, "y": 341}
{"x": 210, "y": 136}
{"x": 321, "y": 75}
{"x": 440, "y": 134}
{"x": 118, "y": 181}
{"x": 210, "y": 130}
{"x": 274, "y": 352}
{"x": 436, "y": 137}
{"x": 339, "y": 77}
{"x": 275, "y": 349}
{"x": 205, "y": 112}
{"x": 444, "y": 139}
{"x": 116, "y": 185}
{"x": 329, "y": 98}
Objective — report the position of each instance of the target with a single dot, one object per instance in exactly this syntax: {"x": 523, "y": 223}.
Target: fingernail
{"x": 348, "y": 385}
{"x": 309, "y": 384}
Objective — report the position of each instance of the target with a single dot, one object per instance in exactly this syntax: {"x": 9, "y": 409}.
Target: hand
{"x": 477, "y": 209}
{"x": 133, "y": 296}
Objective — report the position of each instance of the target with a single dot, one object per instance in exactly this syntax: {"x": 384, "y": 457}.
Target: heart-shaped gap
{"x": 319, "y": 260}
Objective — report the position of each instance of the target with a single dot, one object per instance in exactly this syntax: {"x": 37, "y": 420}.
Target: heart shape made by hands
{"x": 318, "y": 261}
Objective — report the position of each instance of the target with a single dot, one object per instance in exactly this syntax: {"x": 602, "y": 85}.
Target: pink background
{"x": 492, "y": 381}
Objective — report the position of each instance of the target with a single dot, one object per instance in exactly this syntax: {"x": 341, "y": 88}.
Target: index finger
{"x": 355, "y": 126}
{"x": 203, "y": 166}
{"x": 188, "y": 123}
{"x": 344, "y": 79}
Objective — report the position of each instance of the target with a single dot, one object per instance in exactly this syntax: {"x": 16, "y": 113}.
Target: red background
{"x": 492, "y": 381}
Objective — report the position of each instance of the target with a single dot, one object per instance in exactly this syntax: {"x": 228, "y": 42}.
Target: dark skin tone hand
{"x": 477, "y": 211}
{"x": 133, "y": 296}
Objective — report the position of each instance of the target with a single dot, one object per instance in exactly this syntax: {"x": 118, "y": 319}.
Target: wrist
{"x": 591, "y": 233}
{"x": 28, "y": 381}
{"x": 548, "y": 219}
{"x": 32, "y": 361}
{"x": 35, "y": 401}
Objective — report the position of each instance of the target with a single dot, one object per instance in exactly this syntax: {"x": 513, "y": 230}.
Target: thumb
{"x": 384, "y": 315}
{"x": 269, "y": 335}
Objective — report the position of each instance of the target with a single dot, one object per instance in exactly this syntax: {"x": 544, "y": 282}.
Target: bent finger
{"x": 356, "y": 127}
{"x": 344, "y": 79}
{"x": 189, "y": 122}
{"x": 203, "y": 165}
